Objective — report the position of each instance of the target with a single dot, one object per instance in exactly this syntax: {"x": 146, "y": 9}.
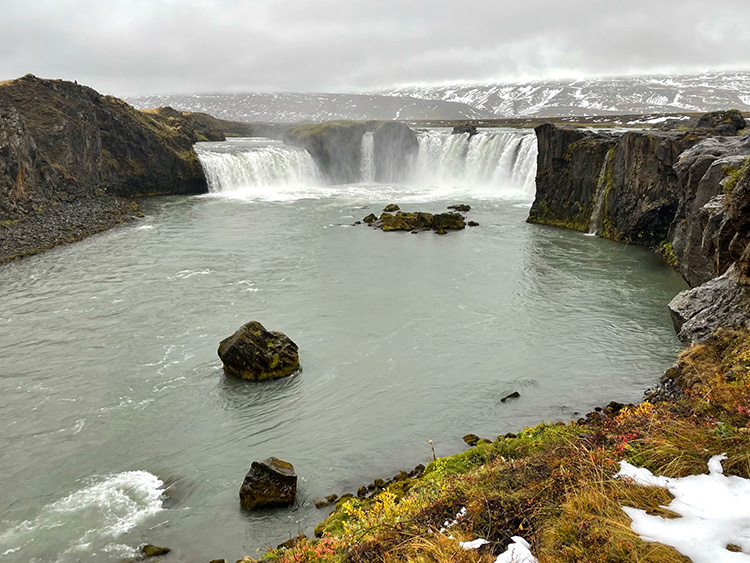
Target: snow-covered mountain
{"x": 551, "y": 98}
{"x": 616, "y": 95}
{"x": 290, "y": 108}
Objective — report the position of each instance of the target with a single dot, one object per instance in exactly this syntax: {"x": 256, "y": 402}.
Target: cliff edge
{"x": 71, "y": 160}
{"x": 686, "y": 194}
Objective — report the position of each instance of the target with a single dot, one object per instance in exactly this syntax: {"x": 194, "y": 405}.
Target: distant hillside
{"x": 291, "y": 108}
{"x": 617, "y": 95}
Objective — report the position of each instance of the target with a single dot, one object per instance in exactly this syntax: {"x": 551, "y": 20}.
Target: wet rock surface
{"x": 418, "y": 221}
{"x": 271, "y": 482}
{"x": 257, "y": 354}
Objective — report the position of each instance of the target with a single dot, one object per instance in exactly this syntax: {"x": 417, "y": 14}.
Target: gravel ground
{"x": 63, "y": 223}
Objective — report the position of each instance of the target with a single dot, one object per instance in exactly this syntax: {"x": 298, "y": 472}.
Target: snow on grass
{"x": 518, "y": 552}
{"x": 475, "y": 544}
{"x": 714, "y": 510}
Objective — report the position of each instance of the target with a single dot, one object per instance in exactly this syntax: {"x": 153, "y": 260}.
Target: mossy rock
{"x": 150, "y": 550}
{"x": 271, "y": 482}
{"x": 257, "y": 354}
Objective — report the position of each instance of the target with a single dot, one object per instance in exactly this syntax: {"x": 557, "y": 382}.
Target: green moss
{"x": 608, "y": 230}
{"x": 577, "y": 220}
{"x": 668, "y": 254}
{"x": 733, "y": 175}
{"x": 303, "y": 132}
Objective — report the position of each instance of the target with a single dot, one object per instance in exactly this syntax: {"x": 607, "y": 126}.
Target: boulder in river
{"x": 471, "y": 439}
{"x": 150, "y": 550}
{"x": 271, "y": 482}
{"x": 448, "y": 221}
{"x": 258, "y": 354}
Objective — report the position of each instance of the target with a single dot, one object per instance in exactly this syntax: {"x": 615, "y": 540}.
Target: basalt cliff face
{"x": 685, "y": 194}
{"x": 336, "y": 148}
{"x": 67, "y": 150}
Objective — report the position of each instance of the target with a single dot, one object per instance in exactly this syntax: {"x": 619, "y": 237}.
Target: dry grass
{"x": 554, "y": 484}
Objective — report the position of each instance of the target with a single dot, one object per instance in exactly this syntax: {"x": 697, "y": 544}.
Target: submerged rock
{"x": 271, "y": 482}
{"x": 448, "y": 221}
{"x": 150, "y": 550}
{"x": 471, "y": 439}
{"x": 513, "y": 395}
{"x": 258, "y": 354}
{"x": 416, "y": 221}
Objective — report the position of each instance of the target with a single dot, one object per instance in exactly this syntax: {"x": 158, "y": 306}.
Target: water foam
{"x": 89, "y": 519}
{"x": 367, "y": 164}
{"x": 255, "y": 164}
{"x": 489, "y": 164}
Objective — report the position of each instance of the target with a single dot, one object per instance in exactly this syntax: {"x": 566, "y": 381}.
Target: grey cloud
{"x": 138, "y": 46}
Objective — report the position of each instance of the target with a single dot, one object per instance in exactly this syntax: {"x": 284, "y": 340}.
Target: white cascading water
{"x": 255, "y": 163}
{"x": 502, "y": 162}
{"x": 367, "y": 164}
{"x": 494, "y": 164}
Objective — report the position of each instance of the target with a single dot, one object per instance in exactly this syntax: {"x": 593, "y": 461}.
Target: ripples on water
{"x": 111, "y": 388}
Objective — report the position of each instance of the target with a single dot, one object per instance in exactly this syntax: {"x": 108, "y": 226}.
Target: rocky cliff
{"x": 683, "y": 193}
{"x": 336, "y": 148}
{"x": 62, "y": 144}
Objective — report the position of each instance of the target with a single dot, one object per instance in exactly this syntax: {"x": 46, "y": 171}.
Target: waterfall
{"x": 595, "y": 223}
{"x": 493, "y": 163}
{"x": 367, "y": 163}
{"x": 255, "y": 163}
{"x": 503, "y": 162}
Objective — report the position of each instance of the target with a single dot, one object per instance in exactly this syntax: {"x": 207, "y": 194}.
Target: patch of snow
{"x": 518, "y": 552}
{"x": 714, "y": 510}
{"x": 449, "y": 524}
{"x": 474, "y": 544}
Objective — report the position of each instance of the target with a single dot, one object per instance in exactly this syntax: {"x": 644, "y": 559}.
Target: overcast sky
{"x": 128, "y": 47}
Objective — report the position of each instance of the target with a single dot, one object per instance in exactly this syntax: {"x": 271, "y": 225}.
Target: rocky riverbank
{"x": 555, "y": 485}
{"x": 72, "y": 160}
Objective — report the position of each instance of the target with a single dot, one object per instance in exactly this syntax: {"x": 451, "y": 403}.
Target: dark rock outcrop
{"x": 417, "y": 221}
{"x": 701, "y": 232}
{"x": 724, "y": 123}
{"x": 62, "y": 143}
{"x": 395, "y": 148}
{"x": 465, "y": 128}
{"x": 471, "y": 439}
{"x": 621, "y": 185}
{"x": 258, "y": 354}
{"x": 150, "y": 550}
{"x": 719, "y": 303}
{"x": 683, "y": 193}
{"x": 271, "y": 482}
{"x": 570, "y": 166}
{"x": 335, "y": 146}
